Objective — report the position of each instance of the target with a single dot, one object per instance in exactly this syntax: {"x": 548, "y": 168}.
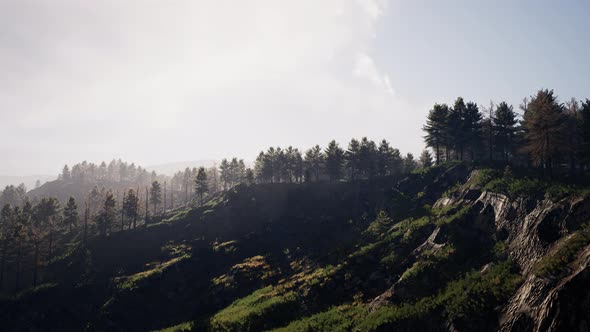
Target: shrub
{"x": 472, "y": 295}
{"x": 446, "y": 220}
{"x": 555, "y": 264}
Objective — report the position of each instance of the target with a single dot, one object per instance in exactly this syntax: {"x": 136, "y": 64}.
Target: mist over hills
{"x": 170, "y": 168}
{"x": 29, "y": 180}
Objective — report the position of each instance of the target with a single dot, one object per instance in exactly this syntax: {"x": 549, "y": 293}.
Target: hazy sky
{"x": 158, "y": 81}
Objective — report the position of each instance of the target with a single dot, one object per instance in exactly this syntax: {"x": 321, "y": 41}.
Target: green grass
{"x": 473, "y": 294}
{"x": 257, "y": 311}
{"x": 483, "y": 176}
{"x": 478, "y": 292}
{"x": 515, "y": 187}
{"x": 379, "y": 227}
{"x": 406, "y": 230}
{"x": 412, "y": 228}
{"x": 449, "y": 192}
{"x": 428, "y": 262}
{"x": 35, "y": 290}
{"x": 271, "y": 306}
{"x": 341, "y": 318}
{"x": 182, "y": 327}
{"x": 134, "y": 281}
{"x": 555, "y": 264}
{"x": 181, "y": 215}
{"x": 456, "y": 216}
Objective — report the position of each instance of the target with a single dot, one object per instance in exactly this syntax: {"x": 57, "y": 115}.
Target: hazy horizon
{"x": 155, "y": 82}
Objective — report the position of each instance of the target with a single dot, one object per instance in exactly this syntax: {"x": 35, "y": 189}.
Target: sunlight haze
{"x": 156, "y": 81}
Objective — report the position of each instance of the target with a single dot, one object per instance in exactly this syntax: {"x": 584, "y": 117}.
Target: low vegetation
{"x": 556, "y": 263}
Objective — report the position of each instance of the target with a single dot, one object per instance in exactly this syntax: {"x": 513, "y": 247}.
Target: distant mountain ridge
{"x": 173, "y": 167}
{"x": 28, "y": 180}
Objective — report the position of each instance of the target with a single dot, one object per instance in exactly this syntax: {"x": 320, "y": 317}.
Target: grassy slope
{"x": 293, "y": 258}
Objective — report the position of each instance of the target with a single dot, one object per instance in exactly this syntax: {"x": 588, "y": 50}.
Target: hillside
{"x": 171, "y": 168}
{"x": 28, "y": 180}
{"x": 449, "y": 248}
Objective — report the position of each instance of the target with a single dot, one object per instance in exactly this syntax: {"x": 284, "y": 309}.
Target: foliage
{"x": 256, "y": 311}
{"x": 134, "y": 281}
{"x": 428, "y": 261}
{"x": 474, "y": 294}
{"x": 182, "y": 327}
{"x": 457, "y": 216}
{"x": 341, "y": 318}
{"x": 555, "y": 264}
{"x": 515, "y": 187}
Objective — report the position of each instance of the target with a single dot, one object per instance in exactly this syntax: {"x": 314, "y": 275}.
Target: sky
{"x": 155, "y": 81}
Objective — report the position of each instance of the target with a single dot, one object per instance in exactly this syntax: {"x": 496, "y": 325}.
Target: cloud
{"x": 365, "y": 68}
{"x": 126, "y": 79}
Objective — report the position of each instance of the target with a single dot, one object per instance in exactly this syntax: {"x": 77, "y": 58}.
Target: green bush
{"x": 479, "y": 292}
{"x": 458, "y": 215}
{"x": 474, "y": 294}
{"x": 555, "y": 264}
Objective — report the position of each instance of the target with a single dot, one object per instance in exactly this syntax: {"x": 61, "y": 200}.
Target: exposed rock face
{"x": 531, "y": 229}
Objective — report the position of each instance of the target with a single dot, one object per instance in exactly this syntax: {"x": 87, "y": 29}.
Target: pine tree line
{"x": 362, "y": 159}
{"x": 548, "y": 134}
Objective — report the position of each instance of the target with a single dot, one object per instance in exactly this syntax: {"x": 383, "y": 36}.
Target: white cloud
{"x": 365, "y": 68}
{"x": 229, "y": 77}
{"x": 372, "y": 7}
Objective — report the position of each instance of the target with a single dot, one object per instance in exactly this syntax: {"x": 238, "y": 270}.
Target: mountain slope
{"x": 444, "y": 249}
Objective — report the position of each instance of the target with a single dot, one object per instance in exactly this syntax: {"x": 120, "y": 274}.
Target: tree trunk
{"x": 85, "y": 222}
{"x": 2, "y": 261}
{"x": 50, "y": 244}
{"x": 35, "y": 264}
{"x": 17, "y": 279}
{"x": 146, "y": 206}
{"x": 437, "y": 155}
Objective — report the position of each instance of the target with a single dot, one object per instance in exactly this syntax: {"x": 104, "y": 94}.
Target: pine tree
{"x": 425, "y": 159}
{"x": 249, "y": 176}
{"x": 572, "y": 118}
{"x": 201, "y": 187}
{"x": 314, "y": 161}
{"x": 455, "y": 127}
{"x": 368, "y": 158}
{"x": 107, "y": 215}
{"x": 545, "y": 130}
{"x": 471, "y": 128}
{"x": 224, "y": 173}
{"x": 131, "y": 207}
{"x": 71, "y": 216}
{"x": 47, "y": 212}
{"x": 389, "y": 160}
{"x": 334, "y": 161}
{"x": 383, "y": 158}
{"x": 584, "y": 135}
{"x": 7, "y": 235}
{"x": 409, "y": 163}
{"x": 436, "y": 129}
{"x": 65, "y": 174}
{"x": 353, "y": 158}
{"x": 155, "y": 196}
{"x": 504, "y": 123}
